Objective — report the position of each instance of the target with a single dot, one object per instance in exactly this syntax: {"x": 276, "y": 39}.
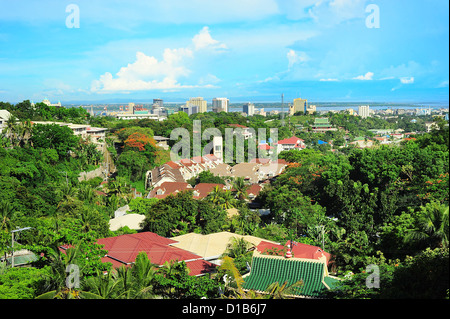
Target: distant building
{"x": 363, "y": 111}
{"x": 199, "y": 102}
{"x": 322, "y": 125}
{"x": 248, "y": 108}
{"x": 189, "y": 109}
{"x": 158, "y": 102}
{"x": 300, "y": 105}
{"x": 4, "y": 117}
{"x": 47, "y": 102}
{"x": 220, "y": 104}
{"x": 311, "y": 109}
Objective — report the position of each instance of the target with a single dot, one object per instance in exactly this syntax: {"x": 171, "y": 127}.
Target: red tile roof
{"x": 122, "y": 250}
{"x": 299, "y": 250}
{"x": 265, "y": 147}
{"x": 292, "y": 140}
{"x": 237, "y": 125}
{"x": 205, "y": 188}
{"x": 169, "y": 188}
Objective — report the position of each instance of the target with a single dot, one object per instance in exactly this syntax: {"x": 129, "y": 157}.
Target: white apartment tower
{"x": 249, "y": 109}
{"x": 363, "y": 111}
{"x": 220, "y": 104}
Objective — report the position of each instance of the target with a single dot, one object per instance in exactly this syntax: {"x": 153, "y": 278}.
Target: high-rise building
{"x": 300, "y": 105}
{"x": 248, "y": 108}
{"x": 199, "y": 102}
{"x": 363, "y": 111}
{"x": 220, "y": 104}
{"x": 158, "y": 102}
{"x": 189, "y": 109}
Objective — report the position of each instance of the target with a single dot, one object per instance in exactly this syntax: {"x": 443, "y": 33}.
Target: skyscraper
{"x": 248, "y": 108}
{"x": 199, "y": 102}
{"x": 363, "y": 111}
{"x": 220, "y": 104}
{"x": 300, "y": 105}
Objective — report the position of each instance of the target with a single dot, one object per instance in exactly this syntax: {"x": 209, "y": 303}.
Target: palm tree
{"x": 25, "y": 131}
{"x": 106, "y": 286}
{"x": 56, "y": 281}
{"x": 6, "y": 215}
{"x": 237, "y": 247}
{"x": 284, "y": 291}
{"x": 68, "y": 195}
{"x": 240, "y": 188}
{"x": 143, "y": 273}
{"x": 236, "y": 285}
{"x": 432, "y": 226}
{"x": 12, "y": 128}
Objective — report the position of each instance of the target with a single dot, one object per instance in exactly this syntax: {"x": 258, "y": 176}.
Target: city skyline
{"x": 244, "y": 50}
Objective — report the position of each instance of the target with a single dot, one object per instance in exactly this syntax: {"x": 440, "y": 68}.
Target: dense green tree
{"x": 53, "y": 136}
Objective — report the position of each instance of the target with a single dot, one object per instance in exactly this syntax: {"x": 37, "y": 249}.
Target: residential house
{"x": 292, "y": 143}
{"x": 212, "y": 246}
{"x": 168, "y": 188}
{"x": 123, "y": 250}
{"x": 202, "y": 190}
{"x": 244, "y": 129}
{"x": 266, "y": 270}
{"x": 298, "y": 250}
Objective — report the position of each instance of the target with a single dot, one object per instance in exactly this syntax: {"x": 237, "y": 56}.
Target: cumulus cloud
{"x": 407, "y": 80}
{"x": 203, "y": 40}
{"x": 294, "y": 57}
{"x": 149, "y": 73}
{"x": 366, "y": 77}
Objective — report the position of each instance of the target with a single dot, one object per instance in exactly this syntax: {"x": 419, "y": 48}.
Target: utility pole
{"x": 12, "y": 243}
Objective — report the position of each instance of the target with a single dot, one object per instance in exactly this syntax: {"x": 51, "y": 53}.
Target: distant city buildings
{"x": 363, "y": 111}
{"x": 249, "y": 109}
{"x": 158, "y": 108}
{"x": 220, "y": 104}
{"x": 189, "y": 109}
{"x": 300, "y": 105}
{"x": 199, "y": 102}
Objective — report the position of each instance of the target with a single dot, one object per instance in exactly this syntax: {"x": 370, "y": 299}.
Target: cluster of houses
{"x": 271, "y": 261}
{"x": 172, "y": 177}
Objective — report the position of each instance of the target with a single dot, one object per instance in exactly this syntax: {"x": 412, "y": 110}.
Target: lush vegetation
{"x": 385, "y": 206}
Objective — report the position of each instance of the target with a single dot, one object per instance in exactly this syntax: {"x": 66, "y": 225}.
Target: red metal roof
{"x": 123, "y": 250}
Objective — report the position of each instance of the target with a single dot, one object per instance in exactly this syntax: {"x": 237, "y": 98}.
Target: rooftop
{"x": 266, "y": 270}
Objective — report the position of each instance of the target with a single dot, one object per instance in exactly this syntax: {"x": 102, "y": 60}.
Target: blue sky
{"x": 246, "y": 50}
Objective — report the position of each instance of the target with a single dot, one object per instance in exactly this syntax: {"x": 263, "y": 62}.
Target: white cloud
{"x": 294, "y": 57}
{"x": 329, "y": 80}
{"x": 366, "y": 77}
{"x": 407, "y": 80}
{"x": 203, "y": 40}
{"x": 443, "y": 84}
{"x": 149, "y": 73}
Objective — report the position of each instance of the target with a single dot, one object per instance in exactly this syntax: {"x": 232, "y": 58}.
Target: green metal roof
{"x": 268, "y": 269}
